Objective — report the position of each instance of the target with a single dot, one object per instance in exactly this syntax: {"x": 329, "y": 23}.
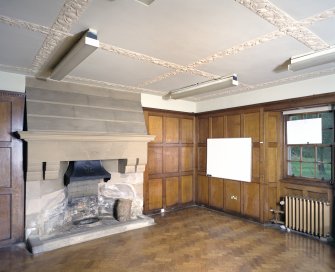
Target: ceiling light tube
{"x": 204, "y": 87}
{"x": 312, "y": 59}
{"x": 80, "y": 51}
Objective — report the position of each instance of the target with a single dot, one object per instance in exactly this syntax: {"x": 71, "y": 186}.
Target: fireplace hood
{"x": 85, "y": 170}
{"x": 69, "y": 122}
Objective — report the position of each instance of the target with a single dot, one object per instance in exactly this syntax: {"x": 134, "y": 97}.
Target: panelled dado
{"x": 250, "y": 199}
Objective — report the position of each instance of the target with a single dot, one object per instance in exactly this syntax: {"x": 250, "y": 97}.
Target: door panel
{"x": 11, "y": 170}
{"x": 5, "y": 222}
{"x": 5, "y": 160}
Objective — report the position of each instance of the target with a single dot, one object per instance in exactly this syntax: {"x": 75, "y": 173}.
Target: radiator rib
{"x": 307, "y": 216}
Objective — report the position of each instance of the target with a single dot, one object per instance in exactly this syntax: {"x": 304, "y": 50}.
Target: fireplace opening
{"x": 85, "y": 170}
{"x": 81, "y": 179}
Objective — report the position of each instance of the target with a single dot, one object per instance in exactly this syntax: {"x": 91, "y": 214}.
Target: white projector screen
{"x": 229, "y": 158}
{"x": 306, "y": 131}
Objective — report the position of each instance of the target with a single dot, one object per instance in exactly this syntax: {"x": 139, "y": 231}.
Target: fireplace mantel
{"x": 52, "y": 147}
{"x": 82, "y": 136}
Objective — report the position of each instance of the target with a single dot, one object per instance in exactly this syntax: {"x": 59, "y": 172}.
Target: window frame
{"x": 288, "y": 160}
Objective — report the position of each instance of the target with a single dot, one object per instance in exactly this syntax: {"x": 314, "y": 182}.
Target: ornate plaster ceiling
{"x": 171, "y": 43}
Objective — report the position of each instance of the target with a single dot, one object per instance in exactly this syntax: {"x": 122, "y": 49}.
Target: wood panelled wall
{"x": 176, "y": 170}
{"x": 169, "y": 176}
{"x": 254, "y": 199}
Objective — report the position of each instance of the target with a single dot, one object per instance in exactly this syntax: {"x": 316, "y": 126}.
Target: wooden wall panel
{"x": 186, "y": 158}
{"x": 217, "y": 127}
{"x": 256, "y": 162}
{"x": 186, "y": 189}
{"x": 155, "y": 189}
{"x": 155, "y": 160}
{"x": 251, "y": 199}
{"x": 172, "y": 191}
{"x": 202, "y": 158}
{"x": 5, "y": 217}
{"x": 186, "y": 131}
{"x": 232, "y": 196}
{"x": 169, "y": 176}
{"x": 171, "y": 159}
{"x": 202, "y": 190}
{"x": 271, "y": 131}
{"x": 5, "y": 168}
{"x": 251, "y": 126}
{"x": 272, "y": 162}
{"x": 216, "y": 193}
{"x": 155, "y": 127}
{"x": 272, "y": 202}
{"x": 203, "y": 130}
{"x": 171, "y": 130}
{"x": 233, "y": 126}
{"x": 5, "y": 121}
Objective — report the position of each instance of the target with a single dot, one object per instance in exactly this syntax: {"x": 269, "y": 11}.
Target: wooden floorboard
{"x": 194, "y": 239}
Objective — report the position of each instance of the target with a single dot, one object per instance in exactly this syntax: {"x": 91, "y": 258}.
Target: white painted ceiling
{"x": 171, "y": 43}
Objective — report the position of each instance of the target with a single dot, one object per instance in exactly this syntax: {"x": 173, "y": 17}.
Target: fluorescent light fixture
{"x": 204, "y": 87}
{"x": 312, "y": 59}
{"x": 81, "y": 50}
{"x": 145, "y": 2}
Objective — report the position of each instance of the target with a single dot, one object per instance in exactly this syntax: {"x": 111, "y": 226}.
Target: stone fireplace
{"x": 69, "y": 123}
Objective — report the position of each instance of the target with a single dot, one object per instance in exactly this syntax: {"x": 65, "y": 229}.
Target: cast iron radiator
{"x": 307, "y": 215}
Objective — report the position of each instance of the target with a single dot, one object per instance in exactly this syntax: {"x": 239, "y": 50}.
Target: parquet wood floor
{"x": 194, "y": 239}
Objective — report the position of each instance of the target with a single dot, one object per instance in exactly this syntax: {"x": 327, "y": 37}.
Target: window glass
{"x": 324, "y": 154}
{"x": 294, "y": 169}
{"x": 308, "y": 154}
{"x": 323, "y": 171}
{"x": 312, "y": 161}
{"x": 294, "y": 153}
{"x": 307, "y": 170}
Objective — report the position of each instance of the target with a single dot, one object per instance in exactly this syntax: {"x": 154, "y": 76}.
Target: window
{"x": 312, "y": 161}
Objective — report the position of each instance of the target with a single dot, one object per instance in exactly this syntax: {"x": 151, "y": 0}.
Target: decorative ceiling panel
{"x": 268, "y": 60}
{"x": 24, "y": 43}
{"x": 325, "y": 29}
{"x": 174, "y": 30}
{"x": 116, "y": 68}
{"x": 36, "y": 11}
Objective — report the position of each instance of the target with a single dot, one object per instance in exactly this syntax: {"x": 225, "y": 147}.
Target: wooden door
{"x": 11, "y": 170}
